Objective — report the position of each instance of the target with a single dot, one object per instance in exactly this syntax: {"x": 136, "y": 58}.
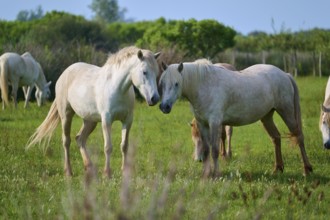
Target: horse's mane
{"x": 203, "y": 61}
{"x": 124, "y": 54}
{"x": 196, "y": 73}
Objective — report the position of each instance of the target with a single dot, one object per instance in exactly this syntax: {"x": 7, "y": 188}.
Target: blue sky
{"x": 242, "y": 15}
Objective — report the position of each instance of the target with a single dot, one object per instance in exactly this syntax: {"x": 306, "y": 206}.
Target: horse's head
{"x": 144, "y": 76}
{"x": 325, "y": 126}
{"x": 42, "y": 95}
{"x": 170, "y": 85}
{"x": 197, "y": 140}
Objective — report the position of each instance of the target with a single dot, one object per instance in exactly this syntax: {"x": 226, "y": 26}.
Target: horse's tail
{"x": 4, "y": 81}
{"x": 45, "y": 131}
{"x": 297, "y": 134}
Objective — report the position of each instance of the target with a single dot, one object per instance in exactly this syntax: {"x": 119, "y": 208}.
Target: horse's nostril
{"x": 327, "y": 145}
{"x": 155, "y": 99}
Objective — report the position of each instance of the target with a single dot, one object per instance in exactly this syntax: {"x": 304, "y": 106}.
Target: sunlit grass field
{"x": 164, "y": 182}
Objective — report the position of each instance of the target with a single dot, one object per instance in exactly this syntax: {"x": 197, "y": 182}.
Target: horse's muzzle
{"x": 153, "y": 101}
{"x": 327, "y": 145}
{"x": 165, "y": 108}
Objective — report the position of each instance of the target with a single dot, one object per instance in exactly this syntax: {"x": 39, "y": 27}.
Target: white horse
{"x": 16, "y": 70}
{"x": 325, "y": 118}
{"x": 227, "y": 131}
{"x": 100, "y": 94}
{"x": 222, "y": 97}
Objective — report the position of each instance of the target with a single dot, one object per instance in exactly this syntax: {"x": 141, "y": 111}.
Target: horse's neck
{"x": 41, "y": 81}
{"x": 120, "y": 77}
{"x": 189, "y": 91}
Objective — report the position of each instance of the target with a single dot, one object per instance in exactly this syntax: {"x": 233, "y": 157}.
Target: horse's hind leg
{"x": 81, "y": 138}
{"x": 275, "y": 136}
{"x": 229, "y": 133}
{"x": 66, "y": 128}
{"x": 296, "y": 133}
{"x": 223, "y": 143}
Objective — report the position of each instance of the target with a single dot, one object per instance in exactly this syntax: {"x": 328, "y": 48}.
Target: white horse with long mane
{"x": 222, "y": 97}
{"x": 100, "y": 94}
{"x": 325, "y": 118}
{"x": 25, "y": 71}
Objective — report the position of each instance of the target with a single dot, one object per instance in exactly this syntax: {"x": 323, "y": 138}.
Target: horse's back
{"x": 251, "y": 93}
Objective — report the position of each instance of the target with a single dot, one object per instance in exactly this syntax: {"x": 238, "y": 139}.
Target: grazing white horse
{"x": 16, "y": 70}
{"x": 100, "y": 94}
{"x": 325, "y": 118}
{"x": 221, "y": 97}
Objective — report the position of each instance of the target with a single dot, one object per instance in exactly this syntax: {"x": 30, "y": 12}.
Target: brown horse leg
{"x": 223, "y": 143}
{"x": 275, "y": 136}
{"x": 66, "y": 140}
{"x": 81, "y": 138}
{"x": 298, "y": 136}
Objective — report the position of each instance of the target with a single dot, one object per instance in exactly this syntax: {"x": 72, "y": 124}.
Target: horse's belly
{"x": 86, "y": 112}
{"x": 246, "y": 115}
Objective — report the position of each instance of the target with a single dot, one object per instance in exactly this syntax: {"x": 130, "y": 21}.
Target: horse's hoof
{"x": 278, "y": 169}
{"x": 107, "y": 174}
{"x": 68, "y": 173}
{"x": 308, "y": 170}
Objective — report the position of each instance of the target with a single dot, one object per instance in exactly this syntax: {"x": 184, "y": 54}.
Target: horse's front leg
{"x": 205, "y": 151}
{"x": 124, "y": 142}
{"x": 25, "y": 88}
{"x": 106, "y": 129}
{"x": 215, "y": 139}
{"x": 27, "y": 94}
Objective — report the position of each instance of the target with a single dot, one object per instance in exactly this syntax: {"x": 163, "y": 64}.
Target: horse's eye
{"x": 145, "y": 73}
{"x": 176, "y": 84}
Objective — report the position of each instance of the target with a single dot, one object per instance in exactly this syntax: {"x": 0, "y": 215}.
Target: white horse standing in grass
{"x": 227, "y": 131}
{"x": 100, "y": 94}
{"x": 16, "y": 70}
{"x": 325, "y": 118}
{"x": 221, "y": 97}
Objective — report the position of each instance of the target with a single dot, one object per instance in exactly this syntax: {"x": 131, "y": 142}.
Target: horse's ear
{"x": 156, "y": 55}
{"x": 48, "y": 84}
{"x": 140, "y": 55}
{"x": 180, "y": 67}
{"x": 164, "y": 66}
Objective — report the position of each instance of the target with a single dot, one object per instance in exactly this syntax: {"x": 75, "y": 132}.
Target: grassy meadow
{"x": 164, "y": 182}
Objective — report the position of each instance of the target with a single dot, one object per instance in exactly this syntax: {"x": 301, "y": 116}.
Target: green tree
{"x": 107, "y": 11}
{"x": 196, "y": 39}
{"x": 26, "y": 15}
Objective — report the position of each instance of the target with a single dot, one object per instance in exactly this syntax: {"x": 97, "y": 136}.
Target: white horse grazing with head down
{"x": 100, "y": 94}
{"x": 16, "y": 70}
{"x": 222, "y": 97}
{"x": 325, "y": 118}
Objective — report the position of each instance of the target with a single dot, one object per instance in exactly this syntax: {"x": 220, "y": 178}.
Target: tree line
{"x": 59, "y": 39}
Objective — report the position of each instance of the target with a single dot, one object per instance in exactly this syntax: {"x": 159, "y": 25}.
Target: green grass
{"x": 165, "y": 182}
